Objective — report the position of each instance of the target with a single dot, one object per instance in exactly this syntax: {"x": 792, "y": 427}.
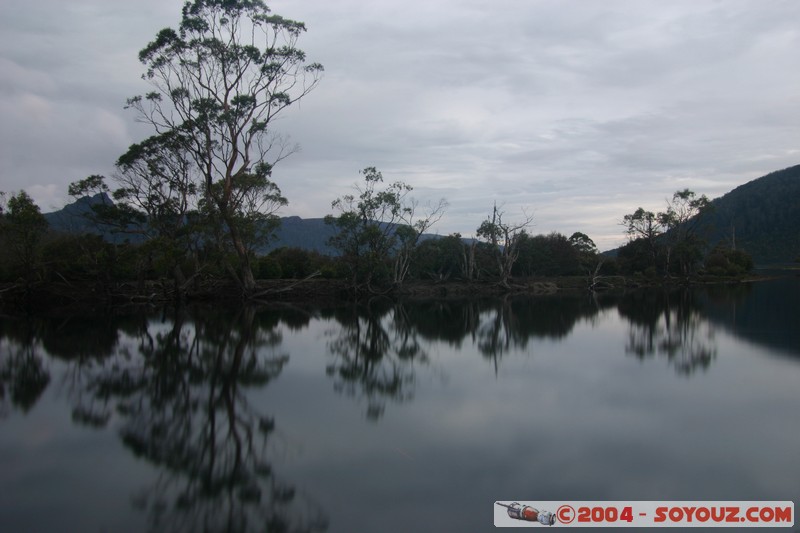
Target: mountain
{"x": 76, "y": 218}
{"x": 294, "y": 232}
{"x": 72, "y": 218}
{"x": 761, "y": 217}
{"x": 307, "y": 233}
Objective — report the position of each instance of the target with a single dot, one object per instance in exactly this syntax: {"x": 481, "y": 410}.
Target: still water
{"x": 396, "y": 417}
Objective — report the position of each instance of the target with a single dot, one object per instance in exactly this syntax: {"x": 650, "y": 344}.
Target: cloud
{"x": 578, "y": 111}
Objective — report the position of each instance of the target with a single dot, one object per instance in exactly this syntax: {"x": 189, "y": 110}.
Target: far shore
{"x": 35, "y": 297}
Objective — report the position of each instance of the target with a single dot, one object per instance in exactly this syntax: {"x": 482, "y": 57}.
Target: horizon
{"x": 433, "y": 231}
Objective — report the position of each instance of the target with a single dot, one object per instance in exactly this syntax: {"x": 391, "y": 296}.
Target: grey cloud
{"x": 579, "y": 111}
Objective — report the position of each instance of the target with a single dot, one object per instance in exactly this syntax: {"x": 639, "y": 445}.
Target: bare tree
{"x": 469, "y": 267}
{"x": 504, "y": 238}
{"x": 410, "y": 233}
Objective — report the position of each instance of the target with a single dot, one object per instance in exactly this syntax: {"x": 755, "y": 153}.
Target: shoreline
{"x": 41, "y": 296}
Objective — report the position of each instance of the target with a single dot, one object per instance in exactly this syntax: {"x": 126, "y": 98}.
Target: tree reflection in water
{"x": 498, "y": 331}
{"x": 374, "y": 351}
{"x": 23, "y": 374}
{"x": 669, "y": 324}
{"x": 375, "y": 347}
{"x": 181, "y": 396}
{"x": 497, "y": 327}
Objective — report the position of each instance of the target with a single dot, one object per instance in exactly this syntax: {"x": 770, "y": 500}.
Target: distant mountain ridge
{"x": 761, "y": 217}
{"x": 293, "y": 232}
{"x": 72, "y": 218}
{"x": 306, "y": 233}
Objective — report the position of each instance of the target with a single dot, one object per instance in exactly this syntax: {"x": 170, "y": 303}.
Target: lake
{"x": 388, "y": 416}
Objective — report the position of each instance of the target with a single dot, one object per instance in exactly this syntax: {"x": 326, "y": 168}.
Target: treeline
{"x": 379, "y": 237}
{"x": 674, "y": 242}
{"x": 377, "y": 250}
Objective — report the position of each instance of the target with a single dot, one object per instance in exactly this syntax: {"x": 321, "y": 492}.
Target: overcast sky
{"x": 576, "y": 112}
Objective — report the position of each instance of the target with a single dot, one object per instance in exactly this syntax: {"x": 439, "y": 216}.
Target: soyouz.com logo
{"x": 644, "y": 514}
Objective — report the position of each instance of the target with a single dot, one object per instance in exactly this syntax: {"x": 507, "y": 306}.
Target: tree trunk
{"x": 180, "y": 281}
{"x": 468, "y": 261}
{"x": 246, "y": 278}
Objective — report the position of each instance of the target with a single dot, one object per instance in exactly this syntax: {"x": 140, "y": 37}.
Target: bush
{"x": 79, "y": 257}
{"x": 296, "y": 263}
{"x": 726, "y": 262}
{"x": 268, "y": 268}
{"x": 334, "y": 269}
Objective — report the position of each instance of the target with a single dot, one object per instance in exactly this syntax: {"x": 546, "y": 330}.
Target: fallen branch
{"x": 286, "y": 288}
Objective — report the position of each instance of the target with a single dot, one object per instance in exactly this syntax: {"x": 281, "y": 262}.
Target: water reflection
{"x": 176, "y": 385}
{"x": 185, "y": 409}
{"x": 669, "y": 324}
{"x": 377, "y": 348}
{"x": 374, "y": 349}
{"x": 192, "y": 395}
{"x": 86, "y": 335}
{"x": 84, "y": 340}
{"x": 765, "y": 313}
{"x": 23, "y": 373}
{"x": 511, "y": 323}
{"x": 500, "y": 324}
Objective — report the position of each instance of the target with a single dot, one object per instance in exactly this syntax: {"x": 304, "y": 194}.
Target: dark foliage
{"x": 762, "y": 217}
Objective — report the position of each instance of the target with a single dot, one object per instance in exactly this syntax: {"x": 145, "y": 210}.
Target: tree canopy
{"x": 377, "y": 224}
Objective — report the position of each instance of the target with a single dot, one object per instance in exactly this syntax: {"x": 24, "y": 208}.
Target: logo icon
{"x": 565, "y": 514}
{"x": 528, "y": 513}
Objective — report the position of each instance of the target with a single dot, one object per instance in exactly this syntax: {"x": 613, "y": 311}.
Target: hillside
{"x": 761, "y": 216}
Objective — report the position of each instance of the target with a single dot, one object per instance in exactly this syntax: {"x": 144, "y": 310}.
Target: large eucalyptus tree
{"x": 220, "y": 80}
